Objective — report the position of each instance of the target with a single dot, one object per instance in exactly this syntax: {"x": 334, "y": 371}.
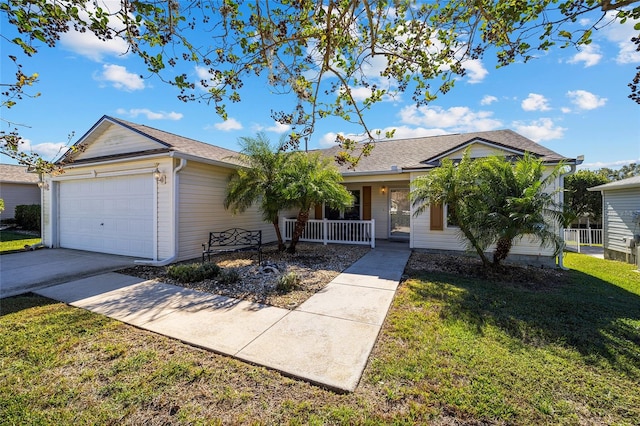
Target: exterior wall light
{"x": 383, "y": 189}
{"x": 160, "y": 177}
{"x": 43, "y": 185}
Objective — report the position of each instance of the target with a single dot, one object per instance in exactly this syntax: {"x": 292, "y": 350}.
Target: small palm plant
{"x": 260, "y": 181}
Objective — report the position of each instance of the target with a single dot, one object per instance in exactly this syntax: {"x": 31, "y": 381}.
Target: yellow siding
{"x": 477, "y": 150}
{"x": 201, "y": 209}
{"x": 450, "y": 239}
{"x": 117, "y": 140}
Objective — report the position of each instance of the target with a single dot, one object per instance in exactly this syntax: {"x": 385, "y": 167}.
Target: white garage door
{"x": 108, "y": 215}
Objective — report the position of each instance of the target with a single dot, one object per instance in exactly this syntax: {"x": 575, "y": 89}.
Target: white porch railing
{"x": 573, "y": 238}
{"x": 334, "y": 231}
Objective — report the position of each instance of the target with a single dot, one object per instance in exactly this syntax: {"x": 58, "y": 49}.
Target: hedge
{"x": 28, "y": 217}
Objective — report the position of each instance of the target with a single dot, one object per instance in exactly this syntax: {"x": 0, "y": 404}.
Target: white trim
{"x": 117, "y": 160}
{"x": 176, "y": 219}
{"x": 93, "y": 174}
{"x": 155, "y": 219}
{"x": 480, "y": 142}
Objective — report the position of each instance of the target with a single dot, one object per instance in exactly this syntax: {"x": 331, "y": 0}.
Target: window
{"x": 451, "y": 221}
{"x": 351, "y": 213}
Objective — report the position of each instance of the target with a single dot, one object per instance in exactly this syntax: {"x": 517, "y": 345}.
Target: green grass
{"x": 10, "y": 241}
{"x": 565, "y": 354}
{"x": 452, "y": 350}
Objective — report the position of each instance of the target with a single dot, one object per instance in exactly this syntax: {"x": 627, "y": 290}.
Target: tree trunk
{"x": 467, "y": 233}
{"x": 301, "y": 223}
{"x": 503, "y": 247}
{"x": 276, "y": 225}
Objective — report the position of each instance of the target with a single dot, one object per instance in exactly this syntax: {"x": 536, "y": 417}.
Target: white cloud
{"x": 589, "y": 55}
{"x": 90, "y": 46}
{"x": 488, "y": 100}
{"x": 46, "y": 150}
{"x": 120, "y": 78}
{"x": 401, "y": 132}
{"x": 621, "y": 34}
{"x": 278, "y": 128}
{"x": 565, "y": 110}
{"x": 586, "y": 100}
{"x": 405, "y": 132}
{"x": 206, "y": 80}
{"x": 539, "y": 130}
{"x": 476, "y": 72}
{"x": 610, "y": 164}
{"x": 460, "y": 119}
{"x": 328, "y": 140}
{"x": 151, "y": 115}
{"x": 535, "y": 102}
{"x": 228, "y": 125}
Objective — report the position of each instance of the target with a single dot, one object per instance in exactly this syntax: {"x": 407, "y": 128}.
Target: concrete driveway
{"x": 31, "y": 270}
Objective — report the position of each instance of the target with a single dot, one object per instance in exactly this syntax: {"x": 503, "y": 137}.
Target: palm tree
{"x": 260, "y": 181}
{"x": 312, "y": 179}
{"x": 517, "y": 202}
{"x": 456, "y": 186}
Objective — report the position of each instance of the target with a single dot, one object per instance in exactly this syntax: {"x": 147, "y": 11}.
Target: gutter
{"x": 174, "y": 256}
{"x": 573, "y": 166}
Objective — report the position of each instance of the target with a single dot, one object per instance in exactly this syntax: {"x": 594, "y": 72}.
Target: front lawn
{"x": 453, "y": 350}
{"x": 11, "y": 241}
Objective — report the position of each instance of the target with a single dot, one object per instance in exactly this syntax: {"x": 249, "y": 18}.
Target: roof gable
{"x": 426, "y": 152}
{"x": 108, "y": 138}
{"x": 112, "y": 138}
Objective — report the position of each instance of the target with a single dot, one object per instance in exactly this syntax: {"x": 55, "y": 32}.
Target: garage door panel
{"x": 109, "y": 215}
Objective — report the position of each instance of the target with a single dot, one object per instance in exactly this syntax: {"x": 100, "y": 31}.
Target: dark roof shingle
{"x": 418, "y": 152}
{"x": 10, "y": 173}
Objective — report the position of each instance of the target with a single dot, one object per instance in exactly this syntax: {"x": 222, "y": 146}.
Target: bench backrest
{"x": 235, "y": 237}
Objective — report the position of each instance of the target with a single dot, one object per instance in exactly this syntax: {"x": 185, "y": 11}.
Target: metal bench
{"x": 233, "y": 240}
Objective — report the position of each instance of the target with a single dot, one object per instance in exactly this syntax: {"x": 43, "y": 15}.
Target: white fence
{"x": 574, "y": 238}
{"x": 334, "y": 231}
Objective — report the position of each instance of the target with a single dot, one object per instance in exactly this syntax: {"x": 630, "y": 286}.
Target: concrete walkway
{"x": 326, "y": 340}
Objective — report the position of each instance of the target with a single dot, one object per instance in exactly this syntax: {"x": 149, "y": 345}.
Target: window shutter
{"x": 318, "y": 208}
{"x": 366, "y": 203}
{"x": 437, "y": 217}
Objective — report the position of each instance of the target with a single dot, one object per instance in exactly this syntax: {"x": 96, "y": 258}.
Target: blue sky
{"x": 571, "y": 101}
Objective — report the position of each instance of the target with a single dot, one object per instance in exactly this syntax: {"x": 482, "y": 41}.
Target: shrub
{"x": 194, "y": 272}
{"x": 229, "y": 276}
{"x": 287, "y": 282}
{"x": 28, "y": 217}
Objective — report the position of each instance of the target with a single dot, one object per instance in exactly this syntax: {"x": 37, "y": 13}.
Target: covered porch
{"x": 381, "y": 210}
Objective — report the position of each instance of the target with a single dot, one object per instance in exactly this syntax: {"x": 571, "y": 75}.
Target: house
{"x": 384, "y": 180}
{"x": 17, "y": 187}
{"x": 620, "y": 218}
{"x": 138, "y": 191}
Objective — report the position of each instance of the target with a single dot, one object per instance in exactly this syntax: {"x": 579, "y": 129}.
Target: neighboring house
{"x": 138, "y": 191}
{"x": 620, "y": 218}
{"x": 17, "y": 187}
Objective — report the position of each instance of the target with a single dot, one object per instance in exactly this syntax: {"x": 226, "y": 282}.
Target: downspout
{"x": 173, "y": 257}
{"x": 561, "y": 228}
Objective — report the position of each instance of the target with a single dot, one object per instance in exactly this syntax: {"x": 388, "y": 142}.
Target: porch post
{"x": 373, "y": 233}
{"x": 325, "y": 233}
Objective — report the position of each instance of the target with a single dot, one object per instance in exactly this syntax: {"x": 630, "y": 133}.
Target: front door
{"x": 399, "y": 213}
